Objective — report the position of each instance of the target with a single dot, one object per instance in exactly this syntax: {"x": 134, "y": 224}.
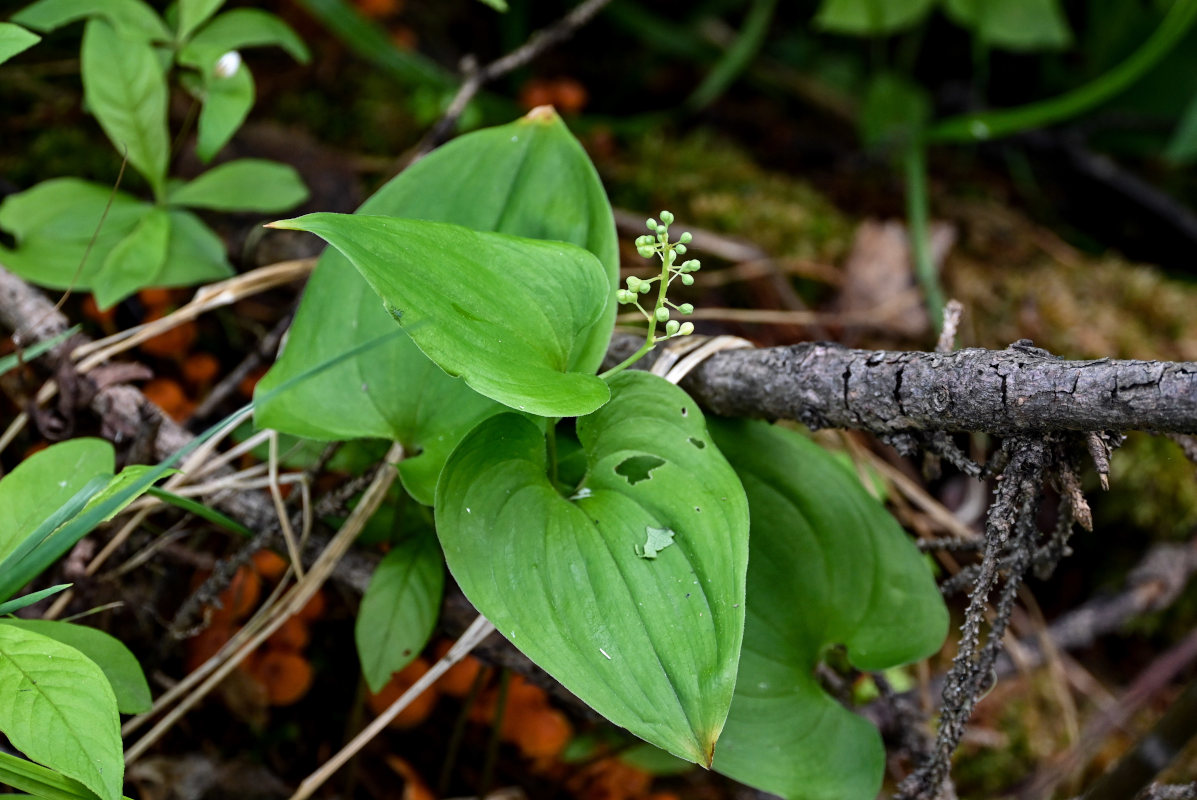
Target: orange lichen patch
{"x": 610, "y": 779}
{"x": 542, "y": 734}
{"x": 564, "y": 94}
{"x": 246, "y": 387}
{"x": 155, "y": 297}
{"x": 456, "y": 682}
{"x": 241, "y": 596}
{"x": 169, "y": 396}
{"x": 418, "y": 710}
{"x": 313, "y": 609}
{"x": 200, "y": 369}
{"x": 93, "y": 312}
{"x": 207, "y": 643}
{"x": 414, "y": 787}
{"x": 286, "y": 676}
{"x": 379, "y": 8}
{"x": 270, "y": 565}
{"x": 172, "y": 343}
{"x": 292, "y": 635}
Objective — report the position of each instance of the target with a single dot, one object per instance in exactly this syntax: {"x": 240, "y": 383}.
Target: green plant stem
{"x": 915, "y": 163}
{"x": 993, "y": 124}
{"x": 200, "y": 510}
{"x": 737, "y": 57}
{"x": 650, "y": 338}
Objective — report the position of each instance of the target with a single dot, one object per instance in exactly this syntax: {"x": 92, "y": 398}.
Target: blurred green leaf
{"x": 129, "y": 17}
{"x": 894, "y": 112}
{"x": 1182, "y": 147}
{"x": 193, "y": 13}
{"x": 14, "y": 39}
{"x": 226, "y": 104}
{"x": 870, "y": 17}
{"x": 124, "y": 87}
{"x": 135, "y": 261}
{"x": 247, "y": 184}
{"x": 237, "y": 30}
{"x": 1013, "y": 24}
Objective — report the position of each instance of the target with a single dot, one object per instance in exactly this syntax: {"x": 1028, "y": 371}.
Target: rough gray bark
{"x": 1020, "y": 390}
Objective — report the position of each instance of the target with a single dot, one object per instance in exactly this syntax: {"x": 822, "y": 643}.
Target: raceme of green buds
{"x": 657, "y": 243}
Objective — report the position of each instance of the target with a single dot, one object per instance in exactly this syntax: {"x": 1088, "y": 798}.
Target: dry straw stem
{"x": 292, "y": 603}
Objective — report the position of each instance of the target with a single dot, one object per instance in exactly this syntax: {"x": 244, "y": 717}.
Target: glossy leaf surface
{"x": 528, "y": 178}
{"x": 57, "y": 708}
{"x": 829, "y": 566}
{"x": 651, "y": 644}
{"x": 119, "y": 665}
{"x": 509, "y": 315}
{"x": 400, "y": 608}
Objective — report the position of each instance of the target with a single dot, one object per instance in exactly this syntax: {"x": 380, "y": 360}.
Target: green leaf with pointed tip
{"x": 124, "y": 87}
{"x": 44, "y": 481}
{"x": 119, "y": 665}
{"x": 58, "y": 709}
{"x": 399, "y": 608}
{"x": 14, "y": 39}
{"x": 227, "y": 101}
{"x": 237, "y": 30}
{"x": 528, "y": 178}
{"x": 130, "y": 17}
{"x": 135, "y": 261}
{"x": 193, "y": 13}
{"x": 247, "y": 184}
{"x": 509, "y": 315}
{"x": 650, "y": 644}
{"x": 829, "y": 566}
{"x": 1020, "y": 25}
{"x": 53, "y": 223}
{"x": 870, "y": 17}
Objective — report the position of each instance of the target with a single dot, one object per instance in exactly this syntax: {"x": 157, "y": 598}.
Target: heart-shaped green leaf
{"x": 829, "y": 566}
{"x": 57, "y": 708}
{"x": 528, "y": 178}
{"x": 651, "y": 644}
{"x": 509, "y": 315}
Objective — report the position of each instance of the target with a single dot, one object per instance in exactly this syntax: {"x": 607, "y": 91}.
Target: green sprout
{"x": 657, "y": 243}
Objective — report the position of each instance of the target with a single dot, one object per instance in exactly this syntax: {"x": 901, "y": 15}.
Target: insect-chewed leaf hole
{"x": 685, "y": 411}
{"x": 699, "y": 443}
{"x": 638, "y": 468}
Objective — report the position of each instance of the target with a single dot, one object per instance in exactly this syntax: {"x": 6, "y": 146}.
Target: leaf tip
{"x": 283, "y": 225}
{"x": 543, "y": 114}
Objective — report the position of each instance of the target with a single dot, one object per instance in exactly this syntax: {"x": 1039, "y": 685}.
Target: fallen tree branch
{"x": 1017, "y": 391}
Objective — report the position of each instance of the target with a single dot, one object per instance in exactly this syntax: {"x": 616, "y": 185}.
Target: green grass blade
{"x": 30, "y": 353}
{"x": 200, "y": 510}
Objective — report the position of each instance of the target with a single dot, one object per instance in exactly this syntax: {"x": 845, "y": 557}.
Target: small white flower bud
{"x": 227, "y": 65}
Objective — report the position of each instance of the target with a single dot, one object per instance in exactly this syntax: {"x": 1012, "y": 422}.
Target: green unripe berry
{"x": 686, "y": 308}
{"x": 646, "y": 251}
{"x": 662, "y": 314}
{"x": 633, "y": 282}
{"x": 624, "y": 296}
{"x": 686, "y": 329}
{"x": 644, "y": 287}
{"x": 671, "y": 327}
{"x": 667, "y": 217}
{"x": 651, "y": 224}
{"x": 687, "y": 280}
{"x": 679, "y": 249}
{"x": 685, "y": 238}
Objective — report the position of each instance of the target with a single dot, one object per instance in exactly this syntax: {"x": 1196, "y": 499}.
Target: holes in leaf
{"x": 638, "y": 468}
{"x": 685, "y": 411}
{"x": 699, "y": 443}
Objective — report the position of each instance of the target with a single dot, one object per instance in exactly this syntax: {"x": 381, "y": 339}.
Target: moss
{"x": 710, "y": 183}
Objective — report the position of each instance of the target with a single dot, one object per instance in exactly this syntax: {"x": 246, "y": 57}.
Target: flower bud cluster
{"x": 657, "y": 243}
